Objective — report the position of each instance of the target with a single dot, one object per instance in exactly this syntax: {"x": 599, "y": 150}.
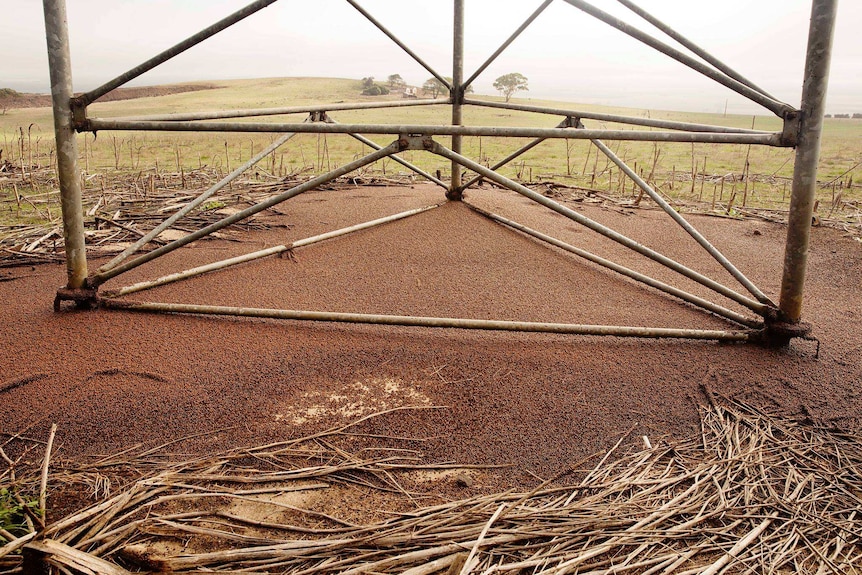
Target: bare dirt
{"x": 542, "y": 403}
{"x": 12, "y": 99}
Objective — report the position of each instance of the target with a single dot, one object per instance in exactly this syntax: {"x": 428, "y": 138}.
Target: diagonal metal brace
{"x": 570, "y": 122}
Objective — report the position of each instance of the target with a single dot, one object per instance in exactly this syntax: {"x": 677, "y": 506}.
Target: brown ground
{"x": 12, "y": 99}
{"x": 111, "y": 379}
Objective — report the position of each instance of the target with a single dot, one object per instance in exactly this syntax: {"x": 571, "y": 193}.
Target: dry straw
{"x": 122, "y": 207}
{"x": 751, "y": 493}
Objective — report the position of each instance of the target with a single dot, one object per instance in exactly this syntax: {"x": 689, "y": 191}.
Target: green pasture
{"x": 721, "y": 176}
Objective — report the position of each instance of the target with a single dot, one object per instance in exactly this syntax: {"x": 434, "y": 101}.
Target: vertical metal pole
{"x": 823, "y": 13}
{"x": 60, "y": 64}
{"x": 455, "y": 191}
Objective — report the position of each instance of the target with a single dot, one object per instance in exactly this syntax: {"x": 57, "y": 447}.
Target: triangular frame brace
{"x": 802, "y": 128}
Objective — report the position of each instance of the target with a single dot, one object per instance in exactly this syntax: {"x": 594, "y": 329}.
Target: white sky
{"x": 566, "y": 54}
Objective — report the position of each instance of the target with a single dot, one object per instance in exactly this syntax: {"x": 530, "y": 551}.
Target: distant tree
{"x": 375, "y": 90}
{"x": 434, "y": 87}
{"x": 510, "y": 83}
{"x": 857, "y": 116}
{"x": 369, "y": 88}
{"x": 396, "y": 81}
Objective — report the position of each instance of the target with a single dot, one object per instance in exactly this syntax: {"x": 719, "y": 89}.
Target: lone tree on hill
{"x": 396, "y": 81}
{"x": 510, "y": 83}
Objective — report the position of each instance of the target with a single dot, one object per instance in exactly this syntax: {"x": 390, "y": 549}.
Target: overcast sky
{"x": 566, "y": 54}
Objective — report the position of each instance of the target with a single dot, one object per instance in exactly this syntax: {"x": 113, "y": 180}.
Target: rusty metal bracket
{"x": 79, "y": 114}
{"x": 779, "y": 332}
{"x": 414, "y": 142}
{"x": 83, "y": 298}
{"x": 790, "y": 131}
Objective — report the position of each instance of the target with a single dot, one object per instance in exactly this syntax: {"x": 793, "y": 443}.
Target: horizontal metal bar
{"x": 508, "y": 41}
{"x": 770, "y": 139}
{"x": 102, "y": 277}
{"x": 637, "y": 276}
{"x": 195, "y": 203}
{"x": 226, "y": 114}
{"x": 401, "y": 44}
{"x": 695, "y": 49}
{"x": 220, "y": 265}
{"x": 458, "y": 323}
{"x": 617, "y": 119}
{"x": 601, "y": 229}
{"x": 684, "y": 224}
{"x": 780, "y": 109}
{"x": 177, "y": 49}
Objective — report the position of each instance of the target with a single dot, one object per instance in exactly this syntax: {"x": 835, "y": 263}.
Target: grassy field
{"x": 716, "y": 177}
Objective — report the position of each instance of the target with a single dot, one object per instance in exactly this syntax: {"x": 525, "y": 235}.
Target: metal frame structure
{"x": 775, "y": 323}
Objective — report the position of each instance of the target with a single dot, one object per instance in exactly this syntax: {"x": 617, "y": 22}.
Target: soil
{"x": 542, "y": 403}
{"x": 12, "y": 99}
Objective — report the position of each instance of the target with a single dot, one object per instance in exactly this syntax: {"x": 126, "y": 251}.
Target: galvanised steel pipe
{"x": 193, "y": 272}
{"x": 401, "y": 44}
{"x": 102, "y": 277}
{"x": 375, "y": 146}
{"x": 220, "y": 265}
{"x": 684, "y": 224}
{"x": 622, "y": 270}
{"x": 517, "y": 153}
{"x": 767, "y": 139}
{"x": 695, "y": 49}
{"x": 631, "y": 120}
{"x": 226, "y": 114}
{"x": 60, "y": 66}
{"x": 457, "y": 95}
{"x": 780, "y": 109}
{"x": 508, "y": 42}
{"x": 603, "y": 230}
{"x": 663, "y": 124}
{"x": 817, "y": 61}
{"x": 93, "y": 95}
{"x": 560, "y": 328}
{"x": 148, "y": 237}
